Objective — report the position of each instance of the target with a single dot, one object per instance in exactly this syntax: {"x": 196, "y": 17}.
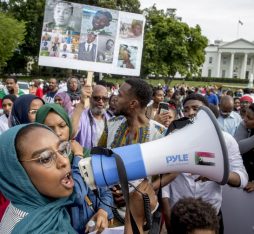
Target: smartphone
{"x": 163, "y": 107}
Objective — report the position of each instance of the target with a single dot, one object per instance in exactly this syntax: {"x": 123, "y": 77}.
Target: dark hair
{"x": 21, "y": 135}
{"x": 12, "y": 78}
{"x": 157, "y": 89}
{"x": 141, "y": 90}
{"x": 196, "y": 96}
{"x": 214, "y": 109}
{"x": 68, "y": 3}
{"x": 246, "y": 91}
{"x": 251, "y": 107}
{"x": 111, "y": 96}
{"x": 189, "y": 214}
{"x": 230, "y": 93}
{"x": 11, "y": 97}
{"x": 106, "y": 14}
{"x": 109, "y": 41}
{"x": 57, "y": 81}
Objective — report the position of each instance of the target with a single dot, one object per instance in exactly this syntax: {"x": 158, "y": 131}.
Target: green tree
{"x": 121, "y": 5}
{"x": 11, "y": 38}
{"x": 171, "y": 46}
{"x": 31, "y": 12}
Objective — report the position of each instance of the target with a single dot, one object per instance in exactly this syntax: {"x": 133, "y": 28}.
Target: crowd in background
{"x": 112, "y": 116}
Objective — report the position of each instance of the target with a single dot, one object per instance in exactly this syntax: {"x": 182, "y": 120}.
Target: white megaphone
{"x": 198, "y": 148}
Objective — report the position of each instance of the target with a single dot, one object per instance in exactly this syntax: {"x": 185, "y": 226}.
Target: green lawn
{"x": 188, "y": 83}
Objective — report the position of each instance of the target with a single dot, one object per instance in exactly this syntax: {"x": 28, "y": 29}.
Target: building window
{"x": 210, "y": 59}
{"x": 223, "y": 73}
{"x": 209, "y": 72}
{"x": 248, "y": 61}
{"x": 224, "y": 61}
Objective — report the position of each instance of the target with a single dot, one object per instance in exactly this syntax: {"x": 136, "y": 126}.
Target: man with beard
{"x": 92, "y": 120}
{"x": 11, "y": 88}
{"x": 52, "y": 90}
{"x": 131, "y": 126}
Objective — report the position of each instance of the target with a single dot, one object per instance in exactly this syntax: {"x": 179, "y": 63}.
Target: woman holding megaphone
{"x": 35, "y": 175}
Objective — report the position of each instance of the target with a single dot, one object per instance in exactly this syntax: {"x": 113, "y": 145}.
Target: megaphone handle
{"x": 124, "y": 184}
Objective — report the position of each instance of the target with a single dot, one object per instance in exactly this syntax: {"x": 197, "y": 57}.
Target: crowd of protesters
{"x": 75, "y": 117}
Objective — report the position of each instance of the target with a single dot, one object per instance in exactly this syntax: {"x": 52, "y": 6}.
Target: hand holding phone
{"x": 163, "y": 107}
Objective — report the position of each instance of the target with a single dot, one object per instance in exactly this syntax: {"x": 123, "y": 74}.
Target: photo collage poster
{"x": 90, "y": 38}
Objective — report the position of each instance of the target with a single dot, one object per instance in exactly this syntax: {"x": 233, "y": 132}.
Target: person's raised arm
{"x": 86, "y": 93}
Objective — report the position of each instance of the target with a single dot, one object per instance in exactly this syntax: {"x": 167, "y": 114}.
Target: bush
{"x": 219, "y": 80}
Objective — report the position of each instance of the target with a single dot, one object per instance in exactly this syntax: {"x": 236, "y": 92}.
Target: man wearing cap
{"x": 245, "y": 102}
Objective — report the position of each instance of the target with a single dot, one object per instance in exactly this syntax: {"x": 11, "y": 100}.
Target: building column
{"x": 218, "y": 64}
{"x": 244, "y": 66}
{"x": 231, "y": 67}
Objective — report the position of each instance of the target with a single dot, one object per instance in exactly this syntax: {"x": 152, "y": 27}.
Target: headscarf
{"x": 44, "y": 215}
{"x": 21, "y": 106}
{"x": 76, "y": 94}
{"x": 67, "y": 104}
{"x": 42, "y": 113}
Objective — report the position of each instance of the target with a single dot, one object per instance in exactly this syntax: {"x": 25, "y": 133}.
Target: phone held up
{"x": 163, "y": 107}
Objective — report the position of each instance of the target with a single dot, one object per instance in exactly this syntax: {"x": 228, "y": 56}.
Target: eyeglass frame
{"x": 98, "y": 98}
{"x": 33, "y": 111}
{"x": 54, "y": 157}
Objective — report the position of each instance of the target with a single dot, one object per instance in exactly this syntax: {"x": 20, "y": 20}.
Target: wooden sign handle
{"x": 89, "y": 79}
{"x": 89, "y": 82}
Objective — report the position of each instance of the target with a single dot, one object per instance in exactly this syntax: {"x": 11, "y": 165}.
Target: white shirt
{"x": 231, "y": 123}
{"x": 12, "y": 216}
{"x": 3, "y": 123}
{"x": 184, "y": 184}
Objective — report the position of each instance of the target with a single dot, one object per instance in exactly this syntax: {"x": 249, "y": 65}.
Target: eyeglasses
{"x": 98, "y": 98}
{"x": 32, "y": 112}
{"x": 47, "y": 157}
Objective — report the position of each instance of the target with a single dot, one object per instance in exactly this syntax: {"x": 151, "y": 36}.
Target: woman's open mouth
{"x": 67, "y": 181}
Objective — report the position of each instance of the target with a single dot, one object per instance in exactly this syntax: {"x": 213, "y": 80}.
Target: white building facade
{"x": 229, "y": 60}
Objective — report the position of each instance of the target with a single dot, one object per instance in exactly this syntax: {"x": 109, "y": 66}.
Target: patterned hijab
{"x": 21, "y": 106}
{"x": 74, "y": 95}
{"x": 44, "y": 215}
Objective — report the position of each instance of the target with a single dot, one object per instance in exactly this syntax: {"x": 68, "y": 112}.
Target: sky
{"x": 218, "y": 19}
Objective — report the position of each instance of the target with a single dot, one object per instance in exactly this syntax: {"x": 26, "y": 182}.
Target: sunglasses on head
{"x": 98, "y": 98}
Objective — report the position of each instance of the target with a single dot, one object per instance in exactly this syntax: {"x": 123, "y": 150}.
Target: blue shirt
{"x": 213, "y": 99}
{"x": 81, "y": 213}
{"x": 230, "y": 123}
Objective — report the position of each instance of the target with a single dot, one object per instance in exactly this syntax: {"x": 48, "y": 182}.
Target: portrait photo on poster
{"x": 62, "y": 16}
{"x": 88, "y": 47}
{"x": 83, "y": 37}
{"x": 106, "y": 46}
{"x": 100, "y": 21}
{"x": 127, "y": 56}
{"x": 131, "y": 29}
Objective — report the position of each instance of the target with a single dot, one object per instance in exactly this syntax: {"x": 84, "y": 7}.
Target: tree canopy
{"x": 171, "y": 46}
{"x": 12, "y": 36}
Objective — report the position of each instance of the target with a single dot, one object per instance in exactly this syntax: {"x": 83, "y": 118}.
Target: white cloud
{"x": 217, "y": 18}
